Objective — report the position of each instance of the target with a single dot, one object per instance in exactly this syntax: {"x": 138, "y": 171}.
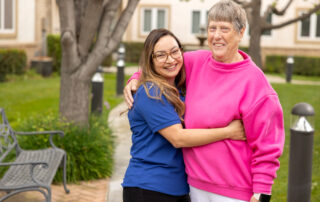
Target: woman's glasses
{"x": 162, "y": 56}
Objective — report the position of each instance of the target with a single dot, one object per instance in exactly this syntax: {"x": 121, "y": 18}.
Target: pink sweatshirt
{"x": 218, "y": 93}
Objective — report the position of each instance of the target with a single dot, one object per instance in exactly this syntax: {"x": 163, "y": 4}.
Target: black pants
{"x": 135, "y": 194}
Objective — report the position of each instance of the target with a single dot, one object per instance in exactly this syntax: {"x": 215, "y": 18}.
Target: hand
{"x": 253, "y": 199}
{"x": 236, "y": 130}
{"x": 127, "y": 92}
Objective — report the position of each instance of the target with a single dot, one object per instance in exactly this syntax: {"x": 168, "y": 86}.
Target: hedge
{"x": 133, "y": 51}
{"x": 12, "y": 61}
{"x": 54, "y": 51}
{"x": 307, "y": 66}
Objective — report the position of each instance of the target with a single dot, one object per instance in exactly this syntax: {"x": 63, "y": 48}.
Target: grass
{"x": 289, "y": 96}
{"x": 26, "y": 96}
{"x": 128, "y": 64}
{"x": 297, "y": 77}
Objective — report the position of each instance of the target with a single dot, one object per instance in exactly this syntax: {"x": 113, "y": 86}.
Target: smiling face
{"x": 168, "y": 47}
{"x": 223, "y": 40}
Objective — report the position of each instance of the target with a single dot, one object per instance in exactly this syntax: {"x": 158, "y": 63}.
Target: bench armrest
{"x": 51, "y": 133}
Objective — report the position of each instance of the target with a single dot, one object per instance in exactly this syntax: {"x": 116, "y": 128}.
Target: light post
{"x": 120, "y": 69}
{"x": 289, "y": 68}
{"x": 97, "y": 92}
{"x": 301, "y": 146}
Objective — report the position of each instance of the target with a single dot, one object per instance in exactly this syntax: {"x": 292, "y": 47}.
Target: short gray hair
{"x": 229, "y": 11}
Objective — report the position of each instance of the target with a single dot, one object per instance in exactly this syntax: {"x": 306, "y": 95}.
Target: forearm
{"x": 180, "y": 137}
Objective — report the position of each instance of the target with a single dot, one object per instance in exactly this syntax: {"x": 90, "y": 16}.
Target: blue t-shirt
{"x": 155, "y": 164}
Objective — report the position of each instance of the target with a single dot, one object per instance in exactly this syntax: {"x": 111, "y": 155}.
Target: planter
{"x": 42, "y": 65}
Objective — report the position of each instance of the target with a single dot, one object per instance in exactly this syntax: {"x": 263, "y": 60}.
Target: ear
{"x": 242, "y": 32}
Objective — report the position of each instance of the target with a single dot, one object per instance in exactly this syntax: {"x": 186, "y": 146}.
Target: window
{"x": 199, "y": 20}
{"x": 309, "y": 28}
{"x": 269, "y": 20}
{"x": 7, "y": 16}
{"x": 153, "y": 18}
{"x": 195, "y": 22}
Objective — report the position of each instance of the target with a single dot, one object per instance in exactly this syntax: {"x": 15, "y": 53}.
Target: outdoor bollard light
{"x": 97, "y": 92}
{"x": 289, "y": 69}
{"x": 120, "y": 69}
{"x": 301, "y": 146}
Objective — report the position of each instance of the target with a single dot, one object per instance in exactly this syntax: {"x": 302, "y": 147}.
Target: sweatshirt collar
{"x": 231, "y": 66}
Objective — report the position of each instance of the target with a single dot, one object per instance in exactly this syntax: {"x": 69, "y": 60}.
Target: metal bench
{"x": 32, "y": 170}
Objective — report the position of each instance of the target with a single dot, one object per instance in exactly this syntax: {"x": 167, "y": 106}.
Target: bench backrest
{"x": 8, "y": 139}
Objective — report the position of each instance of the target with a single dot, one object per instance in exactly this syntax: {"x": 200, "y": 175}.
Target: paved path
{"x": 121, "y": 130}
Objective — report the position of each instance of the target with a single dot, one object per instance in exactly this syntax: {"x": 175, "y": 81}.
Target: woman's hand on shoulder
{"x": 127, "y": 92}
{"x": 236, "y": 130}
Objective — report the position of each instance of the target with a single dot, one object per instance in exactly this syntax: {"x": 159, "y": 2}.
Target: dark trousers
{"x": 135, "y": 194}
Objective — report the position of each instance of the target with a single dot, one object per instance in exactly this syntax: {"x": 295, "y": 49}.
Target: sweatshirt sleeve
{"x": 265, "y": 135}
{"x": 136, "y": 75}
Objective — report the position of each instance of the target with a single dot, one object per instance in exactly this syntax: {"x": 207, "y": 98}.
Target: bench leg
{"x": 48, "y": 198}
{"x": 65, "y": 174}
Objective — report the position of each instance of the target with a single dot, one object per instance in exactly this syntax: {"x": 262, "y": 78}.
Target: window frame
{"x": 203, "y": 20}
{"x": 312, "y": 28}
{"x": 268, "y": 33}
{"x": 154, "y": 18}
{"x": 5, "y": 31}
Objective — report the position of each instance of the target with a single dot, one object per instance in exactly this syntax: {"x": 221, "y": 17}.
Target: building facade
{"x": 187, "y": 18}
{"x": 25, "y": 23}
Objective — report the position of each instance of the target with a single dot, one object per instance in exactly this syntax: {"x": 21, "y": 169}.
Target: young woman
{"x": 156, "y": 170}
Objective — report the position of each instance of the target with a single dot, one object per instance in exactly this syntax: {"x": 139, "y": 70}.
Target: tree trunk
{"x": 255, "y": 33}
{"x": 75, "y": 98}
{"x": 255, "y": 48}
{"x": 82, "y": 22}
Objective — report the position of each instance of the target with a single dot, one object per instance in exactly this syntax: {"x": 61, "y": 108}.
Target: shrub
{"x": 133, "y": 51}
{"x": 54, "y": 51}
{"x": 307, "y": 66}
{"x": 89, "y": 149}
{"x": 107, "y": 62}
{"x": 244, "y": 49}
{"x": 275, "y": 64}
{"x": 12, "y": 62}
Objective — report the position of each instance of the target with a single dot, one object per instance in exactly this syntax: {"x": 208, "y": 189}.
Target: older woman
{"x": 221, "y": 85}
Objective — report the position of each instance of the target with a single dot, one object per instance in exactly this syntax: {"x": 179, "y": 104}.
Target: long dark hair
{"x": 149, "y": 75}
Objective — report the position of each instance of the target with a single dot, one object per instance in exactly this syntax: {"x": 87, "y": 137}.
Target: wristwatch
{"x": 262, "y": 197}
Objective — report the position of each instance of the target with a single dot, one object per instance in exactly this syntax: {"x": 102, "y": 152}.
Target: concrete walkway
{"x": 121, "y": 130}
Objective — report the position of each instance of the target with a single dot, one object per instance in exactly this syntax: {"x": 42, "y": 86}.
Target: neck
{"x": 171, "y": 81}
{"x": 236, "y": 58}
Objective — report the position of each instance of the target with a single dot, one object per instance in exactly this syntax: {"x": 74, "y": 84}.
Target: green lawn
{"x": 290, "y": 95}
{"x": 297, "y": 77}
{"x": 27, "y": 97}
{"x": 22, "y": 98}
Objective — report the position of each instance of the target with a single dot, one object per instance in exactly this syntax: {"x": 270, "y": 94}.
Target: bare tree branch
{"x": 122, "y": 25}
{"x": 244, "y": 4}
{"x": 302, "y": 17}
{"x": 80, "y": 6}
{"x": 68, "y": 39}
{"x": 89, "y": 25}
{"x": 283, "y": 11}
{"x": 105, "y": 28}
